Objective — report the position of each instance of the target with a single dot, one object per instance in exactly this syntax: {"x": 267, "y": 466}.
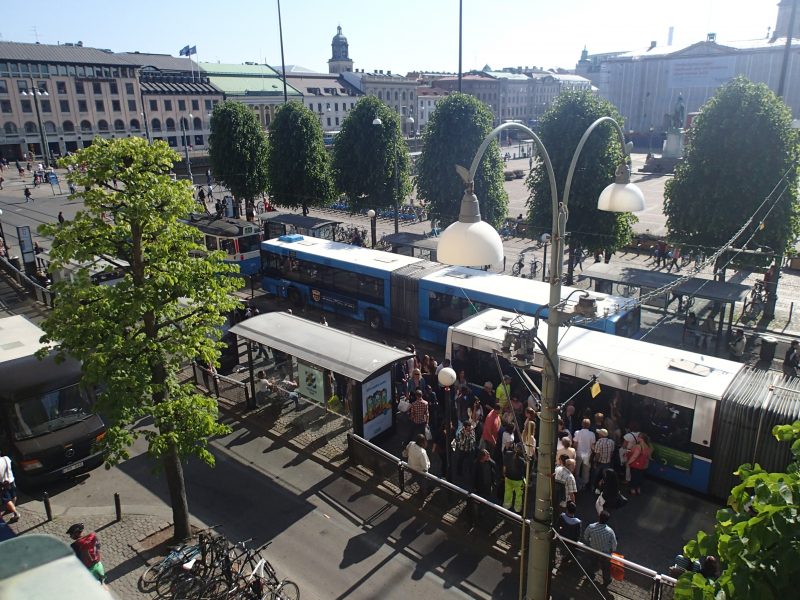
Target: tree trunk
{"x": 177, "y": 494}
{"x": 305, "y": 209}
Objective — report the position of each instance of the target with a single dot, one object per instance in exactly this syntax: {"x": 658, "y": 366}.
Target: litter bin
{"x": 768, "y": 346}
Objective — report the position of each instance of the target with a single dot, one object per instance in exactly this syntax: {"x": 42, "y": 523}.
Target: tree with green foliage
{"x": 561, "y": 129}
{"x": 298, "y": 166}
{"x": 370, "y": 162}
{"x": 134, "y": 337}
{"x": 454, "y": 132}
{"x": 741, "y": 148}
{"x": 756, "y": 539}
{"x": 237, "y": 150}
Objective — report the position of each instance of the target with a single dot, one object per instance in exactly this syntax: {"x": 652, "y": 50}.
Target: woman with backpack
{"x": 639, "y": 460}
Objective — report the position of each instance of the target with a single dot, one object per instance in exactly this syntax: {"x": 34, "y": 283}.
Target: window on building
{"x": 22, "y": 86}
{"x": 26, "y": 106}
{"x": 30, "y": 127}
{"x": 310, "y": 106}
{"x": 105, "y": 73}
{"x": 83, "y": 106}
{"x": 352, "y": 104}
{"x": 404, "y": 95}
{"x": 170, "y": 123}
{"x": 197, "y": 123}
{"x": 86, "y": 127}
{"x": 5, "y": 106}
{"x": 153, "y": 104}
{"x": 337, "y": 121}
{"x": 10, "y": 128}
{"x": 181, "y": 105}
{"x": 45, "y": 106}
{"x": 129, "y": 88}
{"x": 68, "y": 126}
{"x": 195, "y": 104}
{"x": 167, "y": 104}
{"x": 116, "y": 105}
{"x": 336, "y": 107}
{"x": 135, "y": 125}
{"x": 3, "y": 86}
{"x": 112, "y": 86}
{"x": 319, "y": 107}
{"x": 208, "y": 105}
{"x": 156, "y": 124}
{"x": 97, "y": 88}
{"x": 49, "y": 127}
{"x": 329, "y": 121}
{"x": 62, "y": 70}
{"x": 79, "y": 88}
{"x": 380, "y": 95}
{"x": 61, "y": 87}
{"x": 99, "y": 106}
{"x": 132, "y": 105}
{"x": 102, "y": 125}
{"x": 71, "y": 70}
{"x": 119, "y": 125}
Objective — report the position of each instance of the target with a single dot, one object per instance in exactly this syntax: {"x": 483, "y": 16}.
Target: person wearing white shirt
{"x": 417, "y": 459}
{"x": 583, "y": 441}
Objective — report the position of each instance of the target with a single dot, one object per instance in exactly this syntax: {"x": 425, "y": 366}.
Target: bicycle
{"x": 518, "y": 266}
{"x": 535, "y": 266}
{"x": 756, "y": 300}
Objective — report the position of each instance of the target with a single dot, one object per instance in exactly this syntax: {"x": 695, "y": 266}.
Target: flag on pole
{"x": 185, "y": 51}
{"x": 595, "y": 389}
{"x": 192, "y": 50}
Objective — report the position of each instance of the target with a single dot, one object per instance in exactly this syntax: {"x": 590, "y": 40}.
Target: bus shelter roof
{"x": 413, "y": 240}
{"x": 708, "y": 289}
{"x": 340, "y": 352}
{"x": 297, "y": 220}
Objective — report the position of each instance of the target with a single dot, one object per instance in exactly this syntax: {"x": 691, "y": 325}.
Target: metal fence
{"x": 579, "y": 571}
{"x": 220, "y": 385}
{"x": 33, "y": 289}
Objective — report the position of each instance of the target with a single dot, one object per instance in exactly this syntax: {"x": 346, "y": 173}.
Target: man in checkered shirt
{"x": 599, "y": 536}
{"x": 563, "y": 475}
{"x": 603, "y": 452}
{"x": 418, "y": 413}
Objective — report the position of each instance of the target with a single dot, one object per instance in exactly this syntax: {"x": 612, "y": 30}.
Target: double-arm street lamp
{"x": 36, "y": 92}
{"x": 184, "y": 122}
{"x": 471, "y": 242}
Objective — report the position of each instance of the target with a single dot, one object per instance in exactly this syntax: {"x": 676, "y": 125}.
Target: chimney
{"x": 652, "y": 45}
{"x": 669, "y": 36}
{"x": 80, "y": 44}
{"x": 381, "y": 71}
{"x": 388, "y": 72}
{"x": 711, "y": 38}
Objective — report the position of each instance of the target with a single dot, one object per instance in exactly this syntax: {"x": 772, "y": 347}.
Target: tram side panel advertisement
{"x": 376, "y": 402}
{"x": 310, "y": 383}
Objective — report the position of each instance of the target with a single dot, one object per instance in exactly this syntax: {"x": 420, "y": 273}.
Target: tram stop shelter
{"x": 413, "y": 244}
{"x": 276, "y": 224}
{"x": 340, "y": 371}
{"x": 626, "y": 281}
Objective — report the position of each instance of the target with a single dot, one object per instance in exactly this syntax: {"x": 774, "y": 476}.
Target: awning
{"x": 344, "y": 353}
{"x": 708, "y": 289}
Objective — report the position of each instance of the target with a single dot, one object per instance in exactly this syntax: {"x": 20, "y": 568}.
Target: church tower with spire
{"x": 340, "y": 59}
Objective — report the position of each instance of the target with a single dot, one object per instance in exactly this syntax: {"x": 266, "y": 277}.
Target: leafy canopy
{"x": 370, "y": 162}
{"x": 298, "y": 165}
{"x": 454, "y": 132}
{"x": 561, "y": 128}
{"x": 757, "y": 538}
{"x": 740, "y": 146}
{"x": 237, "y": 149}
{"x": 134, "y": 337}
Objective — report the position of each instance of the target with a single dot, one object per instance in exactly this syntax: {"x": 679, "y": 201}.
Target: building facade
{"x": 396, "y": 91}
{"x": 645, "y": 85}
{"x": 60, "y": 97}
{"x": 328, "y": 96}
{"x": 258, "y": 86}
{"x": 428, "y": 99}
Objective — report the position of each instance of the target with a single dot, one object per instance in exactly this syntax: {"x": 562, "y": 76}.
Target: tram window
{"x": 449, "y": 309}
{"x": 249, "y": 243}
{"x": 211, "y": 243}
{"x": 665, "y": 423}
{"x": 228, "y": 246}
{"x": 370, "y": 288}
{"x": 345, "y": 282}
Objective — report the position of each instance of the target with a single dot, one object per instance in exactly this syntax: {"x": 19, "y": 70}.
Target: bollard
{"x": 47, "y": 508}
{"x": 118, "y": 507}
{"x": 791, "y": 310}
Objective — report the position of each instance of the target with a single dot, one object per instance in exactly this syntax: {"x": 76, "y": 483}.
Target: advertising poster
{"x": 310, "y": 383}
{"x": 376, "y": 399}
{"x": 672, "y": 458}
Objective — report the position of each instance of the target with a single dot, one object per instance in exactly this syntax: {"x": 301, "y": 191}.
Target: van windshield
{"x": 50, "y": 411}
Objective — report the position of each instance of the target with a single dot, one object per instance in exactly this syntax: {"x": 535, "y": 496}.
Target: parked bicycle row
{"x": 215, "y": 568}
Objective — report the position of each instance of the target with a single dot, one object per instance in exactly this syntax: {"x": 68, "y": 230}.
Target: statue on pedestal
{"x": 678, "y": 115}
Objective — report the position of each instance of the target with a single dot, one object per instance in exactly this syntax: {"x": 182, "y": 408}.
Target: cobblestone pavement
{"x": 122, "y": 564}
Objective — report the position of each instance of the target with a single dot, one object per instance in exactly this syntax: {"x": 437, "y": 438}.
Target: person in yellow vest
{"x": 503, "y": 393}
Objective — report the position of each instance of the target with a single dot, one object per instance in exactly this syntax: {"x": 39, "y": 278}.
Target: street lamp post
{"x": 650, "y": 144}
{"x": 377, "y": 121}
{"x": 36, "y": 92}
{"x": 372, "y": 225}
{"x": 620, "y": 196}
{"x": 447, "y": 377}
{"x": 186, "y": 147}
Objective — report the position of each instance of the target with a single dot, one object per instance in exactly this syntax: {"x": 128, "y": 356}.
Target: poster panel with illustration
{"x": 376, "y": 400}
{"x": 310, "y": 383}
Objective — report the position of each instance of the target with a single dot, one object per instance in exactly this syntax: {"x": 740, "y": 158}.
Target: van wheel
{"x": 374, "y": 320}
{"x": 295, "y": 299}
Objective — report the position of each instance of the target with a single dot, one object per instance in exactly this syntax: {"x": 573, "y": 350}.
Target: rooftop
{"x": 62, "y": 53}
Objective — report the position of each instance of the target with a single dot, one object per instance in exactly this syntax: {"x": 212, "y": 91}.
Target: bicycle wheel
{"x": 219, "y": 587}
{"x": 286, "y": 590}
{"x": 516, "y": 269}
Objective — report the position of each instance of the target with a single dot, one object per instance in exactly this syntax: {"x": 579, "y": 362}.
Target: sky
{"x": 397, "y": 36}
